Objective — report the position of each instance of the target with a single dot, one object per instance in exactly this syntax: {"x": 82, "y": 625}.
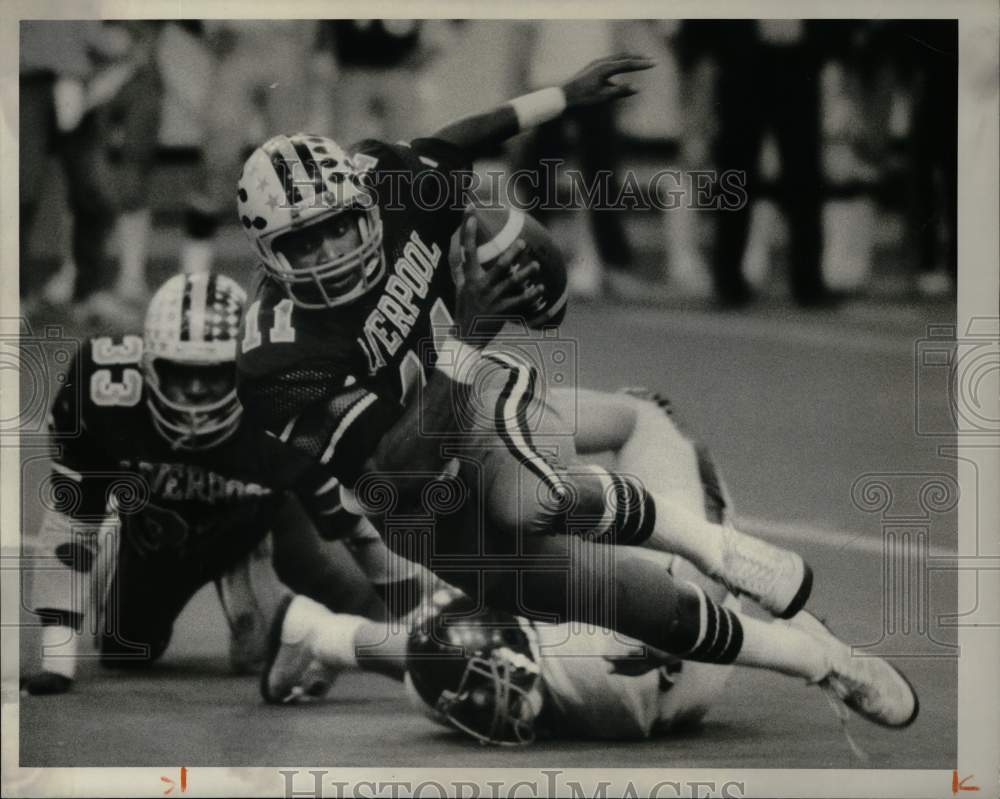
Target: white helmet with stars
{"x": 294, "y": 183}
{"x": 193, "y": 321}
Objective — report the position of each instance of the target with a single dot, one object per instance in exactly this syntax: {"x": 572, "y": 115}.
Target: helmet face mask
{"x": 475, "y": 669}
{"x": 294, "y": 190}
{"x": 193, "y": 420}
{"x": 316, "y": 272}
{"x": 189, "y": 360}
{"x": 496, "y": 702}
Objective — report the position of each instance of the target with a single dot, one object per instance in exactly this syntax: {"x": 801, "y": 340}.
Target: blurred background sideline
{"x": 847, "y": 130}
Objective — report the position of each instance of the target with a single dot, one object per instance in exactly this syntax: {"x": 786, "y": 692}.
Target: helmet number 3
{"x": 281, "y": 331}
{"x": 106, "y": 391}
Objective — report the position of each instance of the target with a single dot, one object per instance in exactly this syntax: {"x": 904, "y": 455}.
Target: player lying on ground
{"x": 159, "y": 485}
{"x": 364, "y": 352}
{"x": 500, "y": 678}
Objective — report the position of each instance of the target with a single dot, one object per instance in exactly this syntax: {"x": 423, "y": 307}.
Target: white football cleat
{"x": 291, "y": 673}
{"x": 777, "y": 578}
{"x": 868, "y": 685}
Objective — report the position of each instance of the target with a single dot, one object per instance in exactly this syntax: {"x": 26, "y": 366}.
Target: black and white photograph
{"x": 595, "y": 401}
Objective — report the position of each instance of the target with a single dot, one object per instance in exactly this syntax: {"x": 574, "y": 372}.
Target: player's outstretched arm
{"x": 594, "y": 84}
{"x": 63, "y": 596}
{"x": 72, "y": 534}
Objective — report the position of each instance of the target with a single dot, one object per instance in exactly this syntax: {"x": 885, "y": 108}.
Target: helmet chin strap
{"x": 195, "y": 439}
{"x": 188, "y": 436}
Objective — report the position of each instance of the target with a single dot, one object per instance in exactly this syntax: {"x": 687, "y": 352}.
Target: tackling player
{"x": 364, "y": 352}
{"x": 504, "y": 679}
{"x": 160, "y": 485}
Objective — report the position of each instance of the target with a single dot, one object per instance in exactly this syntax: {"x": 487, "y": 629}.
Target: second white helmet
{"x": 193, "y": 321}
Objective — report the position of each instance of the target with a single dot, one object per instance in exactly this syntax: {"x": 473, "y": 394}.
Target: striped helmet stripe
{"x": 211, "y": 307}
{"x": 197, "y": 311}
{"x": 283, "y": 156}
{"x": 312, "y": 168}
{"x": 186, "y": 310}
{"x": 211, "y": 289}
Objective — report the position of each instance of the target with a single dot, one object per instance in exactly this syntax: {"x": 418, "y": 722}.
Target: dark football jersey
{"x": 204, "y": 507}
{"x": 330, "y": 382}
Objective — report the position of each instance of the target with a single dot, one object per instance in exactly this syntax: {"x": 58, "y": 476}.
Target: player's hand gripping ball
{"x": 496, "y": 230}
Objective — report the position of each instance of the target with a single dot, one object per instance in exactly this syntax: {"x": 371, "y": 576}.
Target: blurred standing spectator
{"x": 768, "y": 76}
{"x": 75, "y": 80}
{"x": 377, "y": 93}
{"x": 186, "y": 68}
{"x": 264, "y": 72}
{"x": 132, "y": 126}
{"x": 689, "y": 240}
{"x": 905, "y": 83}
{"x": 549, "y": 51}
{"x": 55, "y": 64}
{"x": 927, "y": 52}
{"x": 850, "y": 126}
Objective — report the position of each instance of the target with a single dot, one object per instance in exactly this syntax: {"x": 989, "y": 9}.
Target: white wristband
{"x": 538, "y": 107}
{"x": 459, "y": 361}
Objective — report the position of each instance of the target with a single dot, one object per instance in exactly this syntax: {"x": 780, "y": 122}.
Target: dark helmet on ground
{"x": 475, "y": 668}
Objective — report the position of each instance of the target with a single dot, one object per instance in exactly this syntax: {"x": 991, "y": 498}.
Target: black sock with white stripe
{"x": 629, "y": 512}
{"x": 703, "y": 630}
{"x": 715, "y": 632}
{"x": 631, "y": 590}
{"x": 635, "y": 515}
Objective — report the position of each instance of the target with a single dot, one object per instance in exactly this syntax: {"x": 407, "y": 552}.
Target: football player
{"x": 504, "y": 679}
{"x": 160, "y": 485}
{"x": 363, "y": 351}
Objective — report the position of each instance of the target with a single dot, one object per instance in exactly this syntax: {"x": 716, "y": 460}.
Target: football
{"x": 498, "y": 228}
